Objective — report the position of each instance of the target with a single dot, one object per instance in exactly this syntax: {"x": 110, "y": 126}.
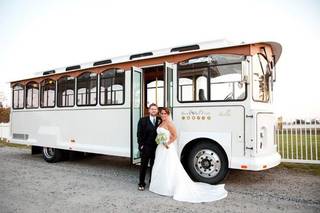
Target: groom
{"x": 147, "y": 133}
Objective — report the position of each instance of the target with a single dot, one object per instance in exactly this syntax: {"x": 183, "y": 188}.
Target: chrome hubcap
{"x": 49, "y": 152}
{"x": 207, "y": 163}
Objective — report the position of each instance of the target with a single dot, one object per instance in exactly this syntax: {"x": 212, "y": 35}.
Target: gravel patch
{"x": 109, "y": 184}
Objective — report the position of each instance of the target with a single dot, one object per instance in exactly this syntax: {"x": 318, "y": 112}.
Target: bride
{"x": 168, "y": 175}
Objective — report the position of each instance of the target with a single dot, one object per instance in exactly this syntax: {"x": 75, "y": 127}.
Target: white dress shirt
{"x": 153, "y": 118}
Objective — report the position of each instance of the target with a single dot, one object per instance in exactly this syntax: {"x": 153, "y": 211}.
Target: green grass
{"x": 308, "y": 168}
{"x": 5, "y": 143}
{"x": 299, "y": 145}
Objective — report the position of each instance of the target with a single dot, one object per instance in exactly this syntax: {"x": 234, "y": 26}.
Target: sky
{"x": 42, "y": 35}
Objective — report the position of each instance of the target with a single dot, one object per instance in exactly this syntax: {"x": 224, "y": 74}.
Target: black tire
{"x": 52, "y": 155}
{"x": 207, "y": 163}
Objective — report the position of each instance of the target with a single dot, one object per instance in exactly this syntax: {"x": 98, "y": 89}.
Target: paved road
{"x": 109, "y": 184}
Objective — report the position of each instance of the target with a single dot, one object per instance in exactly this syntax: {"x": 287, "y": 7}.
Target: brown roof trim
{"x": 241, "y": 50}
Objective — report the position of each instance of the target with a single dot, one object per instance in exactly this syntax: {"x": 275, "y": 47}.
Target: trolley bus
{"x": 220, "y": 95}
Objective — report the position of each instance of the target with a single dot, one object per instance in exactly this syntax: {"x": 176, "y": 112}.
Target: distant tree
{"x": 4, "y": 115}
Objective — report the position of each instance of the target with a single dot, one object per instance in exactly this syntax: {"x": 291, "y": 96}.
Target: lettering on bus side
{"x": 196, "y": 115}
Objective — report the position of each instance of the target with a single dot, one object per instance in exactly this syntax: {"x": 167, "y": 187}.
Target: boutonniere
{"x": 159, "y": 121}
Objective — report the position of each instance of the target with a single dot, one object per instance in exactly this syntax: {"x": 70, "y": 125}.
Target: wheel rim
{"x": 49, "y": 152}
{"x": 207, "y": 163}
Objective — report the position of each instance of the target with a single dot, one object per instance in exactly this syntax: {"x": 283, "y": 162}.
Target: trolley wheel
{"x": 52, "y": 155}
{"x": 207, "y": 163}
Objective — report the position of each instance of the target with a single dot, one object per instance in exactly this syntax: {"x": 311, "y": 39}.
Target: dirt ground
{"x": 109, "y": 184}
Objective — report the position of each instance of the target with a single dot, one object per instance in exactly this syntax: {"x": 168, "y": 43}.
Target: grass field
{"x": 5, "y": 143}
{"x": 308, "y": 168}
{"x": 299, "y": 146}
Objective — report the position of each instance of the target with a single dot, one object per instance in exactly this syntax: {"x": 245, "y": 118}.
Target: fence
{"x": 4, "y": 130}
{"x": 299, "y": 140}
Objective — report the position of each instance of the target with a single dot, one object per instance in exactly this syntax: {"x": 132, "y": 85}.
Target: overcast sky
{"x": 41, "y": 35}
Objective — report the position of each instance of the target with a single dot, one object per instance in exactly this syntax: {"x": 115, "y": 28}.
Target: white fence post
{"x": 299, "y": 140}
{"x": 4, "y": 130}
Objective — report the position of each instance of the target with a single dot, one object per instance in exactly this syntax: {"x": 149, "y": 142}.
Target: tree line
{"x": 4, "y": 115}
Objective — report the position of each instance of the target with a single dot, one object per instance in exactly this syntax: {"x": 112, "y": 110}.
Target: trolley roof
{"x": 210, "y": 45}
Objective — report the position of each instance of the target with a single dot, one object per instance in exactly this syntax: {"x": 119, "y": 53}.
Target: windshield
{"x": 261, "y": 78}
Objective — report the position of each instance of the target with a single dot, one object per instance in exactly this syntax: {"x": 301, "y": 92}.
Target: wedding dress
{"x": 170, "y": 179}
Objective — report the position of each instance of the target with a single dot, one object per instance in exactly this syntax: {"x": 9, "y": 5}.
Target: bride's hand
{"x": 166, "y": 145}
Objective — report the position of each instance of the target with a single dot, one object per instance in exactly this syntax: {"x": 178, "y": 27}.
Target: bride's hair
{"x": 167, "y": 110}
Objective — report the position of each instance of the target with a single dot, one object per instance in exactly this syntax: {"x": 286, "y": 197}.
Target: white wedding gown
{"x": 170, "y": 179}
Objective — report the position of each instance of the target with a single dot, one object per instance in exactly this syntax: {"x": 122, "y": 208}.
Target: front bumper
{"x": 256, "y": 163}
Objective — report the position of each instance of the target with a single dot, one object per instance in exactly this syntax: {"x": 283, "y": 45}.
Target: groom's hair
{"x": 153, "y": 104}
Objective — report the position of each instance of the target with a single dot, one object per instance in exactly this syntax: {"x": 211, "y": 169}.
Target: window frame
{"x": 23, "y": 96}
{"x": 84, "y": 105}
{"x": 233, "y": 82}
{"x": 115, "y": 76}
{"x": 207, "y": 87}
{"x": 42, "y": 91}
{"x": 209, "y": 83}
{"x": 26, "y": 95}
{"x": 74, "y": 92}
{"x": 259, "y": 55}
{"x": 146, "y": 94}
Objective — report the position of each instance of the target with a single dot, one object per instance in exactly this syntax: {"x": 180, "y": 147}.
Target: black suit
{"x": 147, "y": 133}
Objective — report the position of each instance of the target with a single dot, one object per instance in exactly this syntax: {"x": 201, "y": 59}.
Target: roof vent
{"x": 185, "y": 48}
{"x": 97, "y": 63}
{"x": 48, "y": 72}
{"x": 141, "y": 55}
{"x": 75, "y": 67}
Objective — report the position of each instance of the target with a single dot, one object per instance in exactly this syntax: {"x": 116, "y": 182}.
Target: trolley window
{"x": 48, "y": 92}
{"x": 66, "y": 87}
{"x": 18, "y": 97}
{"x": 112, "y": 83}
{"x": 155, "y": 93}
{"x": 211, "y": 78}
{"x": 87, "y": 89}
{"x": 32, "y": 95}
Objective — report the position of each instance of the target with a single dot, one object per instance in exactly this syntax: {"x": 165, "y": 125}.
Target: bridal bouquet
{"x": 161, "y": 139}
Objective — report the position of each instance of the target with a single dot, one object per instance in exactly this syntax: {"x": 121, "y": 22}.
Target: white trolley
{"x": 220, "y": 95}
